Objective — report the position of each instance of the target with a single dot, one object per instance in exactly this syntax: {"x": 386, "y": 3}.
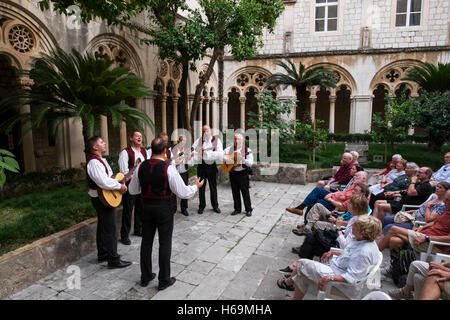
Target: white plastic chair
{"x": 377, "y": 295}
{"x": 373, "y": 281}
{"x": 427, "y": 256}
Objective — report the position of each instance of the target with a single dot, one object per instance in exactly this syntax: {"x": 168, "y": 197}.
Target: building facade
{"x": 370, "y": 44}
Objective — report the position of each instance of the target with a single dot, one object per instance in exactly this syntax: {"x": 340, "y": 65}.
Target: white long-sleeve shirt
{"x": 96, "y": 171}
{"x": 181, "y": 168}
{"x": 209, "y": 156}
{"x": 176, "y": 183}
{"x": 248, "y": 160}
{"x": 123, "y": 159}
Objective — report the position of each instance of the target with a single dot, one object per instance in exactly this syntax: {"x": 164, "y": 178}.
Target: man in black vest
{"x": 128, "y": 159}
{"x": 99, "y": 176}
{"x": 207, "y": 150}
{"x": 239, "y": 175}
{"x": 168, "y": 152}
{"x": 158, "y": 182}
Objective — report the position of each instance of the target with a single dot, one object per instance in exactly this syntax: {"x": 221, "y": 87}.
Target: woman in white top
{"x": 350, "y": 265}
{"x": 389, "y": 178}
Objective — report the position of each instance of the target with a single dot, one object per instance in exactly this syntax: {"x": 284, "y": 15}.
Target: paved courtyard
{"x": 214, "y": 256}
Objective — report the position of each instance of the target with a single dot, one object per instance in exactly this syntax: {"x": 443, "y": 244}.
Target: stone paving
{"x": 214, "y": 256}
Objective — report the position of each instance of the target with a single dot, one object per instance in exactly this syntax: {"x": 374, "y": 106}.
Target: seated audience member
{"x": 418, "y": 192}
{"x": 342, "y": 175}
{"x": 417, "y": 274}
{"x": 355, "y": 156}
{"x": 374, "y": 179}
{"x": 330, "y": 200}
{"x": 389, "y": 178}
{"x": 358, "y": 207}
{"x": 437, "y": 283}
{"x": 429, "y": 211}
{"x": 419, "y": 238}
{"x": 443, "y": 174}
{"x": 350, "y": 265}
{"x": 319, "y": 217}
{"x": 400, "y": 183}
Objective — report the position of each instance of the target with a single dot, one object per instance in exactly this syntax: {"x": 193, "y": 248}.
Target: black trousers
{"x": 106, "y": 231}
{"x": 184, "y": 202}
{"x": 208, "y": 172}
{"x": 239, "y": 185}
{"x": 157, "y": 216}
{"x": 129, "y": 202}
{"x": 374, "y": 198}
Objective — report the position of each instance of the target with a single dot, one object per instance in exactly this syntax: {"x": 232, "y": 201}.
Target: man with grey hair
{"x": 342, "y": 175}
{"x": 239, "y": 175}
{"x": 400, "y": 183}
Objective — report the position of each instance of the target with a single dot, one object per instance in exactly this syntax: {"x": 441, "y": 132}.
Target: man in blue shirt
{"x": 443, "y": 174}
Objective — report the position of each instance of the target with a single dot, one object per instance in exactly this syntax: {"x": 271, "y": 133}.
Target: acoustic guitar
{"x": 112, "y": 198}
{"x": 228, "y": 167}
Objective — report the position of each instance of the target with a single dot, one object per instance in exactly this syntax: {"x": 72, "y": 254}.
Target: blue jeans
{"x": 317, "y": 195}
{"x": 388, "y": 222}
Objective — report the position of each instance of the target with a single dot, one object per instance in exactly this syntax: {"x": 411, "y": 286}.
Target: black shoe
{"x": 235, "y": 213}
{"x": 217, "y": 210}
{"x": 146, "y": 282}
{"x": 296, "y": 250}
{"x": 119, "y": 264}
{"x": 248, "y": 213}
{"x": 287, "y": 269}
{"x": 200, "y": 211}
{"x": 166, "y": 285}
{"x": 126, "y": 241}
{"x": 184, "y": 213}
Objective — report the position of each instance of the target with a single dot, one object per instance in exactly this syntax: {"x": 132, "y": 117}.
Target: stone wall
{"x": 290, "y": 173}
{"x": 22, "y": 267}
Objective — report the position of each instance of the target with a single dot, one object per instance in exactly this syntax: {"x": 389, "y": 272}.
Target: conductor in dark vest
{"x": 128, "y": 159}
{"x": 207, "y": 150}
{"x": 158, "y": 182}
{"x": 99, "y": 176}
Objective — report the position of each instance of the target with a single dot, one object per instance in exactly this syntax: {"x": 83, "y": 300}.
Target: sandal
{"x": 283, "y": 285}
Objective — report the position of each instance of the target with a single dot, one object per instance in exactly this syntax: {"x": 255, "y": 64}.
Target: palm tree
{"x": 76, "y": 86}
{"x": 300, "y": 80}
{"x": 430, "y": 77}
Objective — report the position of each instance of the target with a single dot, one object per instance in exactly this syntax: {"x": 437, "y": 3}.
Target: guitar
{"x": 228, "y": 167}
{"x": 112, "y": 198}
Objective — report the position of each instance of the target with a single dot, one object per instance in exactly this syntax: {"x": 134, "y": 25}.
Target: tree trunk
{"x": 201, "y": 86}
{"x": 303, "y": 113}
{"x": 184, "y": 96}
{"x": 220, "y": 93}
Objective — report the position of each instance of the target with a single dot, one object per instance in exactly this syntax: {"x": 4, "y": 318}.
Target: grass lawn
{"x": 331, "y": 155}
{"x": 29, "y": 217}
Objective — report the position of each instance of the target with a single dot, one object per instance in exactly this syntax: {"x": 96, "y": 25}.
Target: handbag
{"x": 402, "y": 217}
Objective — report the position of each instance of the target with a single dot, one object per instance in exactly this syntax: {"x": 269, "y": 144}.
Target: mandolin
{"x": 228, "y": 167}
{"x": 113, "y": 198}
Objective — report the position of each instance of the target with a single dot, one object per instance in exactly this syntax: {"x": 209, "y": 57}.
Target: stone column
{"x": 60, "y": 148}
{"x": 163, "y": 111}
{"x": 313, "y": 100}
{"x": 175, "y": 117}
{"x": 104, "y": 131}
{"x": 29, "y": 159}
{"x": 242, "y": 101}
{"x": 215, "y": 113}
{"x": 207, "y": 112}
{"x": 200, "y": 111}
{"x": 149, "y": 108}
{"x": 332, "y": 112}
{"x": 225, "y": 113}
{"x": 360, "y": 113}
{"x": 123, "y": 135}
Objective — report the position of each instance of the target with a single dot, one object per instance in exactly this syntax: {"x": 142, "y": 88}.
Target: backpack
{"x": 400, "y": 262}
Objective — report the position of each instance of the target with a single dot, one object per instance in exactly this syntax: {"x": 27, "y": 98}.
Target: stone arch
{"x": 246, "y": 82}
{"x": 23, "y": 36}
{"x": 118, "y": 49}
{"x": 391, "y": 76}
{"x": 343, "y": 77}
